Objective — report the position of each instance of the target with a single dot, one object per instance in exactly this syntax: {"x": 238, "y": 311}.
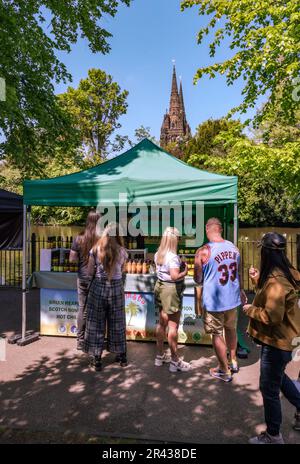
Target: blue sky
{"x": 146, "y": 38}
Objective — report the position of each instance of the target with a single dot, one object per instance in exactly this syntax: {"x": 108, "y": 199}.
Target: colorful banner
{"x": 59, "y": 312}
{"x": 59, "y": 316}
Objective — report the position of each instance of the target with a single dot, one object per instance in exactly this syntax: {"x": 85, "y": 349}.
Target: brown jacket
{"x": 275, "y": 314}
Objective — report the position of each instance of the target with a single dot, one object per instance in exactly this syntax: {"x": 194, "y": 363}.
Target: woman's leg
{"x": 290, "y": 391}
{"x": 173, "y": 323}
{"x": 273, "y": 362}
{"x": 116, "y": 318}
{"x": 161, "y": 332}
{"x": 95, "y": 322}
{"x": 82, "y": 291}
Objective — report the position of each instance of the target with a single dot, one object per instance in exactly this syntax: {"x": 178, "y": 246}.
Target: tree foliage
{"x": 31, "y": 34}
{"x": 95, "y": 107}
{"x": 269, "y": 178}
{"x": 143, "y": 132}
{"x": 204, "y": 140}
{"x": 264, "y": 38}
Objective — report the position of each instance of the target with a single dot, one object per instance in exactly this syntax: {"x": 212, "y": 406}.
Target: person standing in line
{"x": 219, "y": 293}
{"x": 275, "y": 325}
{"x": 168, "y": 294}
{"x": 79, "y": 253}
{"x": 106, "y": 299}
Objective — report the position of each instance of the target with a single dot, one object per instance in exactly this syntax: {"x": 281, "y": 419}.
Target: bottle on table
{"x": 139, "y": 267}
{"x": 133, "y": 267}
{"x": 129, "y": 267}
{"x": 144, "y": 267}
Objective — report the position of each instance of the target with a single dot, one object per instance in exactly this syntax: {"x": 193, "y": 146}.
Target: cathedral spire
{"x": 175, "y": 126}
{"x": 174, "y": 99}
{"x": 181, "y": 99}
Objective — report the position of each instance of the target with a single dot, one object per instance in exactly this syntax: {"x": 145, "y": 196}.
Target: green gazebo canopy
{"x": 145, "y": 173}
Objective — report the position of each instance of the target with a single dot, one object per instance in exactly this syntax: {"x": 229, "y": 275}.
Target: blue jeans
{"x": 273, "y": 379}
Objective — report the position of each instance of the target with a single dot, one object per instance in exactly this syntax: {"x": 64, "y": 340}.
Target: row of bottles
{"x": 139, "y": 266}
{"x": 64, "y": 266}
{"x": 59, "y": 242}
{"x": 187, "y": 251}
{"x": 132, "y": 243}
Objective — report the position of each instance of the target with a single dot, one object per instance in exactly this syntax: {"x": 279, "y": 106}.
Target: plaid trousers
{"x": 105, "y": 310}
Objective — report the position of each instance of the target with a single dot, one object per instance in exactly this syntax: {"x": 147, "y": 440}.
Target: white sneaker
{"x": 179, "y": 365}
{"x": 162, "y": 359}
{"x": 266, "y": 439}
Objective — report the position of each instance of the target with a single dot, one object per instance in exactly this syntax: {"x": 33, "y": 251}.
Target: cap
{"x": 273, "y": 241}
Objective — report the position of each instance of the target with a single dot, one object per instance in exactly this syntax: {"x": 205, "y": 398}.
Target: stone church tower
{"x": 175, "y": 126}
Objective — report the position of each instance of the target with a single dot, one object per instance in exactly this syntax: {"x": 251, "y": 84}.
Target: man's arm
{"x": 198, "y": 267}
{"x": 198, "y": 278}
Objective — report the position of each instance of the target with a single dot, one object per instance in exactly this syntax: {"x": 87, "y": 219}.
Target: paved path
{"x": 47, "y": 386}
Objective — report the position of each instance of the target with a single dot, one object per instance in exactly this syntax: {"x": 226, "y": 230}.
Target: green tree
{"x": 269, "y": 178}
{"x": 144, "y": 133}
{"x": 32, "y": 32}
{"x": 264, "y": 37}
{"x": 204, "y": 140}
{"x": 95, "y": 107}
{"x": 275, "y": 131}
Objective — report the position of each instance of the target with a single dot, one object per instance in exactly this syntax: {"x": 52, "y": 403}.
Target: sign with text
{"x": 59, "y": 310}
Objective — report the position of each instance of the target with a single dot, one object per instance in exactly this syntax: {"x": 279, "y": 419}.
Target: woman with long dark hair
{"x": 275, "y": 325}
{"x": 106, "y": 300}
{"x": 81, "y": 247}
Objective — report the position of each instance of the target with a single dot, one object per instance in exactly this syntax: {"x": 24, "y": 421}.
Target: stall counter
{"x": 59, "y": 307}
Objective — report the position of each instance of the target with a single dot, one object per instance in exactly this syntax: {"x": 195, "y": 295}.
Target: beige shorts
{"x": 168, "y": 296}
{"x": 216, "y": 321}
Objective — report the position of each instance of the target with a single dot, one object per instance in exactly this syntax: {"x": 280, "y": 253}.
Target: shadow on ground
{"x": 48, "y": 386}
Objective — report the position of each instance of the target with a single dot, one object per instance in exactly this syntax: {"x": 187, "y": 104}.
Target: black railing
{"x": 10, "y": 267}
{"x": 11, "y": 259}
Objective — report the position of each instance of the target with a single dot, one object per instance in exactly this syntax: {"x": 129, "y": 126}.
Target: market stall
{"x": 146, "y": 174}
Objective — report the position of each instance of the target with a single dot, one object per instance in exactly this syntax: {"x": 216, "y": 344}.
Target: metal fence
{"x": 11, "y": 260}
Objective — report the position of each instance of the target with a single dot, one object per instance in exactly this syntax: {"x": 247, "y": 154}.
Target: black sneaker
{"x": 95, "y": 362}
{"x": 121, "y": 359}
{"x": 296, "y": 425}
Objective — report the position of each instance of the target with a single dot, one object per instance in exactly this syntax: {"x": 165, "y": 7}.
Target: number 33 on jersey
{"x": 221, "y": 286}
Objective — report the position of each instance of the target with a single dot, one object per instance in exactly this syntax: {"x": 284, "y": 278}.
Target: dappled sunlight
{"x": 59, "y": 391}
